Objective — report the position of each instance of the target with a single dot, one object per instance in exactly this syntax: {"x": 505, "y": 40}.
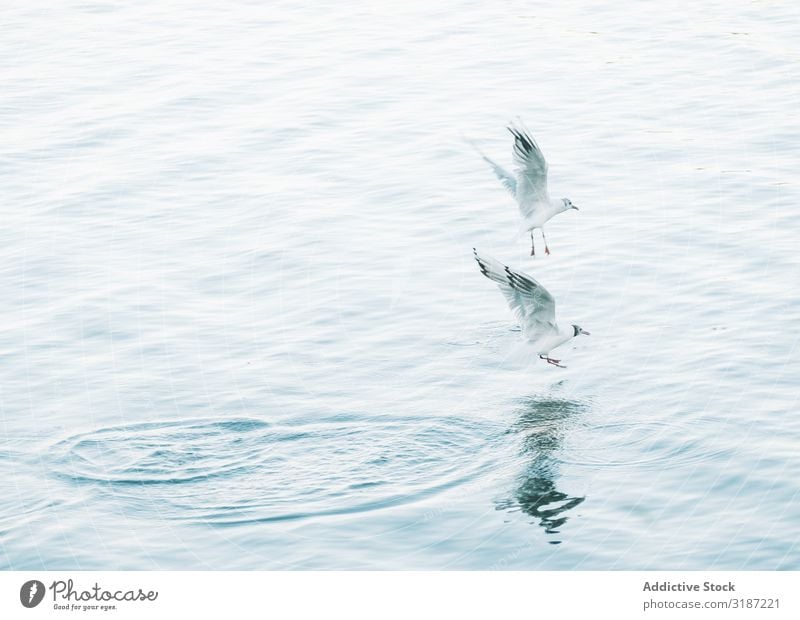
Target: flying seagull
{"x": 533, "y": 305}
{"x": 529, "y": 187}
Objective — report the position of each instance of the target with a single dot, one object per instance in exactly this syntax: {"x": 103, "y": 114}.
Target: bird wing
{"x": 531, "y": 168}
{"x": 532, "y": 303}
{"x": 506, "y": 178}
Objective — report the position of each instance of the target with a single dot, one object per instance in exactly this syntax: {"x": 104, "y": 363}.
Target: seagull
{"x": 529, "y": 187}
{"x": 533, "y": 305}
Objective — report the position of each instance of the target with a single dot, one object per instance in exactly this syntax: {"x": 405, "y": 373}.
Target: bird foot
{"x": 552, "y": 361}
{"x": 546, "y": 250}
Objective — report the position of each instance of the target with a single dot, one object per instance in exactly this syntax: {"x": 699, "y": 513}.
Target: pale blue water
{"x": 242, "y": 325}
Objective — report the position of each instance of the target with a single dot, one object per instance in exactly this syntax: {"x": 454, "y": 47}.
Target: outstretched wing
{"x": 506, "y": 178}
{"x": 533, "y": 305}
{"x": 530, "y": 165}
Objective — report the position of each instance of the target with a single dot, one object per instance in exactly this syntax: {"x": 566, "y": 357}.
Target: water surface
{"x": 243, "y": 328}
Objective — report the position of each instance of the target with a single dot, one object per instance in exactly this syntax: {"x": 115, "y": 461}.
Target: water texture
{"x": 242, "y": 324}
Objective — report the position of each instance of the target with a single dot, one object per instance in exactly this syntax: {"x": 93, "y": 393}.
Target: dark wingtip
{"x": 521, "y": 139}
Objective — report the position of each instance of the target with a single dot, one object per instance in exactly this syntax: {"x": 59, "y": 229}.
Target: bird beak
{"x": 574, "y": 207}
{"x": 585, "y": 333}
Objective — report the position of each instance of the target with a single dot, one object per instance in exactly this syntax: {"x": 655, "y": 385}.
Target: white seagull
{"x": 529, "y": 187}
{"x": 533, "y": 305}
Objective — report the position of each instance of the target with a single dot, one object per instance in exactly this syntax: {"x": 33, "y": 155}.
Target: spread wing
{"x": 533, "y": 305}
{"x": 506, "y": 178}
{"x": 531, "y": 167}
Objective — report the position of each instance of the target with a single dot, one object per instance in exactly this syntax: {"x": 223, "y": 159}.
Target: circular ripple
{"x": 245, "y": 470}
{"x": 628, "y": 444}
{"x": 171, "y": 452}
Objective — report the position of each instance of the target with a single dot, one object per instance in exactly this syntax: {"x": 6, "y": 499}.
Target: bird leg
{"x": 550, "y": 360}
{"x": 546, "y": 249}
{"x": 533, "y": 247}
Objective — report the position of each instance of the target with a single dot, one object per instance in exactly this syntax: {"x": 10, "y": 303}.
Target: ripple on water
{"x": 246, "y": 470}
{"x": 653, "y": 444}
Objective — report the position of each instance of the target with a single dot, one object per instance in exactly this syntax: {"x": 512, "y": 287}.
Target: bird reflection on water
{"x": 542, "y": 424}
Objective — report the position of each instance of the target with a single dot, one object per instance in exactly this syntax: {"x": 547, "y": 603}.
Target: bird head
{"x": 568, "y": 204}
{"x": 579, "y": 330}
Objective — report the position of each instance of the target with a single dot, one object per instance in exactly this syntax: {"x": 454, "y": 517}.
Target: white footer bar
{"x": 401, "y": 595}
